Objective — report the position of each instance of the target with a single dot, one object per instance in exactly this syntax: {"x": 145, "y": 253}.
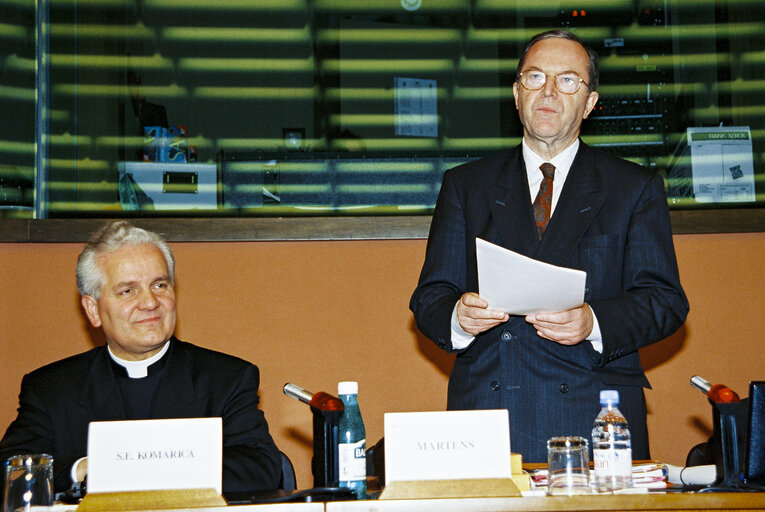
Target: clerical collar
{"x": 138, "y": 369}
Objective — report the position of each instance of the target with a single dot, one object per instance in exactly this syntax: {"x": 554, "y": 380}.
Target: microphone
{"x": 296, "y": 391}
{"x": 321, "y": 400}
{"x": 718, "y": 393}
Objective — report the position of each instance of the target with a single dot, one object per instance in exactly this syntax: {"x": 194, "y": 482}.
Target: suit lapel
{"x": 510, "y": 205}
{"x": 176, "y": 395}
{"x": 101, "y": 393}
{"x": 582, "y": 198}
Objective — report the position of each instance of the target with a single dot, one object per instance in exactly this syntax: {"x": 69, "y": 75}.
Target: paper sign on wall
{"x": 416, "y": 107}
{"x": 723, "y": 168}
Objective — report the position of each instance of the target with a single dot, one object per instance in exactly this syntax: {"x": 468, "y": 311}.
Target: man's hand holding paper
{"x": 565, "y": 327}
{"x": 475, "y": 317}
{"x": 550, "y": 297}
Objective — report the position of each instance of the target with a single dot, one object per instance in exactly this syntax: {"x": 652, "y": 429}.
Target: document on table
{"x": 519, "y": 285}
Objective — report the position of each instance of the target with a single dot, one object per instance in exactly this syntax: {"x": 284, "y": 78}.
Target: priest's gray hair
{"x": 109, "y": 238}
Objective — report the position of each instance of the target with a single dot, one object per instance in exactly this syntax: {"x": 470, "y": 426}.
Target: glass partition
{"x": 18, "y": 47}
{"x": 241, "y": 108}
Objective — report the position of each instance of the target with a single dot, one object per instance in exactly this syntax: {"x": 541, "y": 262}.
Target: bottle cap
{"x": 348, "y": 388}
{"x": 609, "y": 397}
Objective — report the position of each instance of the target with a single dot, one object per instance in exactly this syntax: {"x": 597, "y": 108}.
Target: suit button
{"x": 563, "y": 388}
{"x": 506, "y": 336}
{"x": 494, "y": 385}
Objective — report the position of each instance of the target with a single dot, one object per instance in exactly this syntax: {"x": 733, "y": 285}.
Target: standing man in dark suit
{"x": 609, "y": 218}
{"x": 125, "y": 276}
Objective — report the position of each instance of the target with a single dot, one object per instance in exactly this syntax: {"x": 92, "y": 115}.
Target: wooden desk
{"x": 275, "y": 507}
{"x": 676, "y": 502}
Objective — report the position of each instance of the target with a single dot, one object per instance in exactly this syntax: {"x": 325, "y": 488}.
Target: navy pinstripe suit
{"x": 611, "y": 221}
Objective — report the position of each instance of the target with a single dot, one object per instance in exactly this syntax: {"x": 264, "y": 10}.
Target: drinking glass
{"x": 568, "y": 468}
{"x": 28, "y": 482}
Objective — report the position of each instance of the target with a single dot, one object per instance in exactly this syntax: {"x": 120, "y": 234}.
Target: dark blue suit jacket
{"x": 58, "y": 401}
{"x": 611, "y": 221}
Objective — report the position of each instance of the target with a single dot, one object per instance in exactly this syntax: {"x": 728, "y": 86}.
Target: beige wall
{"x": 314, "y": 313}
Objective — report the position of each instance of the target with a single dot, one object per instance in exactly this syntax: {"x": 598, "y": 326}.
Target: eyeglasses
{"x": 566, "y": 83}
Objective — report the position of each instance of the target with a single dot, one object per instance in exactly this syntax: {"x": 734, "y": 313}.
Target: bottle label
{"x": 617, "y": 462}
{"x": 353, "y": 460}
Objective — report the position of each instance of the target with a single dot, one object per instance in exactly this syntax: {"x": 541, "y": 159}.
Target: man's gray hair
{"x": 109, "y": 238}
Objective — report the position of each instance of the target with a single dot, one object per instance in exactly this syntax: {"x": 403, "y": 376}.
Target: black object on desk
{"x": 754, "y": 458}
{"x": 320, "y": 494}
{"x": 727, "y": 457}
{"x": 327, "y": 410}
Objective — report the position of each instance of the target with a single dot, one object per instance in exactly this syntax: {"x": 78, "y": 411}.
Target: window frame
{"x": 259, "y": 229}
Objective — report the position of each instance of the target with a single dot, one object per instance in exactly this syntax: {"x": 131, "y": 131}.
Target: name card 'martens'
{"x": 465, "y": 444}
{"x": 448, "y": 445}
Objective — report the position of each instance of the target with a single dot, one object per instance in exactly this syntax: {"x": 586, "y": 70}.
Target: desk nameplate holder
{"x": 151, "y": 500}
{"x": 467, "y": 488}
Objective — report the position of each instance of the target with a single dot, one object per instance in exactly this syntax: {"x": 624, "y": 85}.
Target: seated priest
{"x": 125, "y": 277}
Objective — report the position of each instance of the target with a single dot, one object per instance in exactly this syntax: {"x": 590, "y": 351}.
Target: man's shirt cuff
{"x": 460, "y": 339}
{"x": 76, "y": 464}
{"x": 596, "y": 338}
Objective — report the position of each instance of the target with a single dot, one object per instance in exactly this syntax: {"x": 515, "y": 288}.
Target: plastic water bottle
{"x": 352, "y": 446}
{"x": 611, "y": 446}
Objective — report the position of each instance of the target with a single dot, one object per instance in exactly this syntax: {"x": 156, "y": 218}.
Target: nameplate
{"x": 447, "y": 445}
{"x": 147, "y": 455}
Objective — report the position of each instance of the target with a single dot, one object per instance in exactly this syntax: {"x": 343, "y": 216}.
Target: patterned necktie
{"x": 543, "y": 202}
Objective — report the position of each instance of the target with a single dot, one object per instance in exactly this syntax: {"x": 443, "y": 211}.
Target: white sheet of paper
{"x": 146, "y": 455}
{"x": 519, "y": 285}
{"x": 447, "y": 445}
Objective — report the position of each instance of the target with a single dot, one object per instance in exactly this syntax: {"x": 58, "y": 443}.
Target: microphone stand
{"x": 327, "y": 410}
{"x": 727, "y": 456}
